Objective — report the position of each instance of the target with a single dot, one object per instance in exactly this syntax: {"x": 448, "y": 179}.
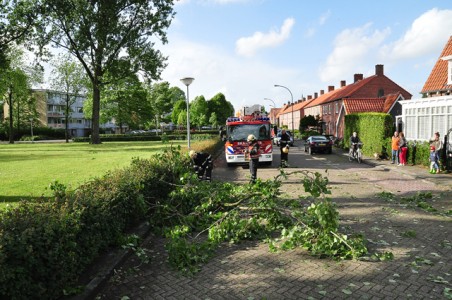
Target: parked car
{"x": 138, "y": 131}
{"x": 155, "y": 130}
{"x": 278, "y": 137}
{"x": 318, "y": 143}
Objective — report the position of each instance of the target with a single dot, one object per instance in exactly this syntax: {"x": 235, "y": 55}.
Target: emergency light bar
{"x": 235, "y": 119}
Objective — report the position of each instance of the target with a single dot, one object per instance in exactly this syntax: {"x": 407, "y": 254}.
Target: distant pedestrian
{"x": 395, "y": 148}
{"x": 254, "y": 153}
{"x": 202, "y": 164}
{"x": 403, "y": 149}
{"x": 438, "y": 144}
{"x": 434, "y": 168}
{"x": 284, "y": 147}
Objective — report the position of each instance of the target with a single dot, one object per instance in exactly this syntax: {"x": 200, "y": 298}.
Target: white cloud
{"x": 214, "y": 70}
{"x": 310, "y": 32}
{"x": 351, "y": 48}
{"x": 324, "y": 17}
{"x": 427, "y": 34}
{"x": 248, "y": 46}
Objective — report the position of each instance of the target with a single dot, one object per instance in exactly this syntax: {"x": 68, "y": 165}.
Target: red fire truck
{"x": 237, "y": 131}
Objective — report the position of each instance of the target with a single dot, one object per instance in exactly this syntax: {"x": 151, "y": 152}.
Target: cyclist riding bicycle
{"x": 354, "y": 141}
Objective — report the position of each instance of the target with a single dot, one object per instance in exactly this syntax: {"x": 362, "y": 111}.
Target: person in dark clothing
{"x": 254, "y": 153}
{"x": 354, "y": 141}
{"x": 202, "y": 164}
{"x": 284, "y": 147}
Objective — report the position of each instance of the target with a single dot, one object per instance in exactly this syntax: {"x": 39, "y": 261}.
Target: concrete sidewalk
{"x": 418, "y": 172}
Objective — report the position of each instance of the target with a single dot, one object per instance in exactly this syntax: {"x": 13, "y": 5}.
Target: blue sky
{"x": 242, "y": 48}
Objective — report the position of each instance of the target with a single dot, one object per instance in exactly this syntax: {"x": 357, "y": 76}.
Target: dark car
{"x": 278, "y": 137}
{"x": 318, "y": 143}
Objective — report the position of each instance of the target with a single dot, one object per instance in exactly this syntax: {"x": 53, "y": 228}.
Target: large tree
{"x": 221, "y": 107}
{"x": 102, "y": 33}
{"x": 124, "y": 100}
{"x": 69, "y": 78}
{"x": 15, "y": 84}
{"x": 199, "y": 111}
{"x": 179, "y": 106}
{"x": 17, "y": 19}
{"x": 162, "y": 98}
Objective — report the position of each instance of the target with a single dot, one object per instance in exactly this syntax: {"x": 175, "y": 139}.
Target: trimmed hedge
{"x": 373, "y": 130}
{"x": 144, "y": 137}
{"x": 45, "y": 245}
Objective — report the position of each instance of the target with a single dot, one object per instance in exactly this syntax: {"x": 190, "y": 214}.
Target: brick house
{"x": 284, "y": 116}
{"x": 376, "y": 93}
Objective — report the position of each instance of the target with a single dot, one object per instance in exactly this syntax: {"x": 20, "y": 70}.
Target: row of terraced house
{"x": 418, "y": 118}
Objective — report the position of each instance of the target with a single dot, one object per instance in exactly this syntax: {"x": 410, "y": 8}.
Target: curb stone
{"x": 104, "y": 266}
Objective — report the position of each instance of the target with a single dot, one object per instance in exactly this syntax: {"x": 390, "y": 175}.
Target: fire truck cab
{"x": 237, "y": 131}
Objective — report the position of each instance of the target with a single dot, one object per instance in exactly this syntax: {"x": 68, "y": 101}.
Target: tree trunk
{"x": 95, "y": 138}
{"x": 66, "y": 132}
{"x": 11, "y": 127}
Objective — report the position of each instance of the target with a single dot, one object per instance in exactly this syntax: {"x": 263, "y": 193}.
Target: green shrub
{"x": 144, "y": 137}
{"x": 45, "y": 246}
{"x": 373, "y": 130}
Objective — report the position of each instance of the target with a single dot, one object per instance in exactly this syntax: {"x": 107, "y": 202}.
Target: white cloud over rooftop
{"x": 248, "y": 46}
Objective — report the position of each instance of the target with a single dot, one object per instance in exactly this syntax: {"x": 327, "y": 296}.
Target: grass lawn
{"x": 26, "y": 170}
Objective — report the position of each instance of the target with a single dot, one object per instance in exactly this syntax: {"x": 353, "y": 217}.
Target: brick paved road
{"x": 420, "y": 241}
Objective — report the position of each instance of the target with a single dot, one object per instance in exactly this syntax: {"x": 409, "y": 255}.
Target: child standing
{"x": 433, "y": 161}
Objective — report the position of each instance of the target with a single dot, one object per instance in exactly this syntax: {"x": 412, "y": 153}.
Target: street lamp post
{"x": 277, "y": 85}
{"x": 187, "y": 81}
{"x": 274, "y": 105}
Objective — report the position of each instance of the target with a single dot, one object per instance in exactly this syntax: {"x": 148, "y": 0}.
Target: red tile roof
{"x": 357, "y": 105}
{"x": 365, "y": 88}
{"x": 363, "y": 105}
{"x": 390, "y": 100}
{"x": 281, "y": 111}
{"x": 296, "y": 107}
{"x": 437, "y": 81}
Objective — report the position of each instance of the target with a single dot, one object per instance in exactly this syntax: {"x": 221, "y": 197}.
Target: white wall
{"x": 423, "y": 117}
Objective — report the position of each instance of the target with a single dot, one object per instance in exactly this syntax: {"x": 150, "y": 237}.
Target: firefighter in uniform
{"x": 254, "y": 153}
{"x": 284, "y": 147}
{"x": 202, "y": 164}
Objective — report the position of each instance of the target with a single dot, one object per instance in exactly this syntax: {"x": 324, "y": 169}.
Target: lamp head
{"x": 187, "y": 80}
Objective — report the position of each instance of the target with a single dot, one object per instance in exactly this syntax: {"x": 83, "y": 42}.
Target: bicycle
{"x": 356, "y": 153}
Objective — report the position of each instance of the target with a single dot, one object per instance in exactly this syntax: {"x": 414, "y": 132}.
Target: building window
{"x": 337, "y": 107}
{"x": 423, "y": 127}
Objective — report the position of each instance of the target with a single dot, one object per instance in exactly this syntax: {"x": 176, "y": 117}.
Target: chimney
{"x": 322, "y": 92}
{"x": 343, "y": 83}
{"x": 316, "y": 95}
{"x": 379, "y": 70}
{"x": 357, "y": 77}
{"x": 330, "y": 88}
{"x": 309, "y": 97}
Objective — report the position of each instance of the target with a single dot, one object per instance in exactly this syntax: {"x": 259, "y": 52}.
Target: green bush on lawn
{"x": 45, "y": 245}
{"x": 145, "y": 137}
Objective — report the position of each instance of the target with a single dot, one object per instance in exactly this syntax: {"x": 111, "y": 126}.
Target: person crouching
{"x": 202, "y": 164}
{"x": 254, "y": 153}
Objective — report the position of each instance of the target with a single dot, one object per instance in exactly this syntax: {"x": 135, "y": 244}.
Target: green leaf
{"x": 346, "y": 291}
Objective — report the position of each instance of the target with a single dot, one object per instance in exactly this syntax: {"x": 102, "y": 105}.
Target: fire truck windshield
{"x": 241, "y": 132}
